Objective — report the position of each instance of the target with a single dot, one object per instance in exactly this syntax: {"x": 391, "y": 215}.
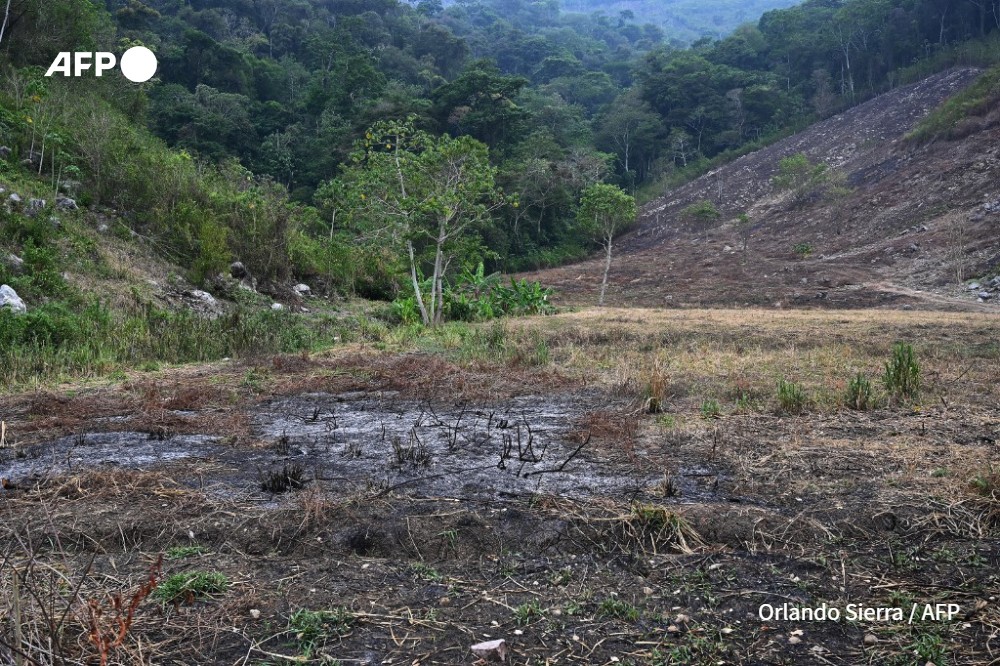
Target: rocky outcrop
{"x": 10, "y": 300}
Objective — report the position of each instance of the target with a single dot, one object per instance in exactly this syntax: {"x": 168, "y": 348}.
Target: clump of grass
{"x": 313, "y": 628}
{"x": 653, "y": 527}
{"x": 710, "y": 409}
{"x": 791, "y": 398}
{"x": 188, "y": 586}
{"x": 902, "y": 374}
{"x": 987, "y": 483}
{"x": 289, "y": 477}
{"x": 528, "y": 612}
{"x": 654, "y": 393}
{"x": 490, "y": 344}
{"x": 612, "y": 607}
{"x": 860, "y": 393}
{"x": 184, "y": 552}
{"x": 426, "y": 572}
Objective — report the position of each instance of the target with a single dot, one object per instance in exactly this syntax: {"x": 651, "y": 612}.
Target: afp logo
{"x": 138, "y": 64}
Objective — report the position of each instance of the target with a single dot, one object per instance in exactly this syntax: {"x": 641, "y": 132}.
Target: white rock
{"x": 277, "y": 306}
{"x": 14, "y": 263}
{"x": 202, "y": 296}
{"x": 10, "y": 299}
{"x": 495, "y": 650}
{"x": 254, "y": 613}
{"x": 302, "y": 289}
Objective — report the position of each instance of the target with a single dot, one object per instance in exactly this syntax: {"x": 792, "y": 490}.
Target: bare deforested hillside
{"x": 893, "y": 223}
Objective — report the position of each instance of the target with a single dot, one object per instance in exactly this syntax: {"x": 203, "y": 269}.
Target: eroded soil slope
{"x": 905, "y": 225}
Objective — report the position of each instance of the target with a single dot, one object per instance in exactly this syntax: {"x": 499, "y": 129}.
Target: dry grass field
{"x": 595, "y": 487}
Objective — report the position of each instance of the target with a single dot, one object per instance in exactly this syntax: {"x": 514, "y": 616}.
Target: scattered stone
{"x": 238, "y": 270}
{"x": 10, "y": 299}
{"x": 444, "y": 601}
{"x": 102, "y": 228}
{"x": 202, "y": 296}
{"x": 682, "y": 618}
{"x": 974, "y": 286}
{"x": 871, "y": 639}
{"x": 495, "y": 650}
{"x": 672, "y": 629}
{"x": 55, "y": 222}
{"x": 907, "y": 307}
{"x": 35, "y": 206}
{"x": 14, "y": 264}
{"x": 14, "y": 198}
{"x": 985, "y": 295}
{"x": 4, "y": 152}
{"x": 302, "y": 290}
{"x": 66, "y": 203}
{"x": 727, "y": 249}
{"x": 255, "y": 613}
{"x": 648, "y": 591}
{"x": 914, "y": 247}
{"x": 794, "y": 640}
{"x": 277, "y": 306}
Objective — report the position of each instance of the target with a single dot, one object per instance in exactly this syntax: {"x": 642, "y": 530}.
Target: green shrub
{"x": 860, "y": 394}
{"x": 701, "y": 211}
{"x": 902, "y": 374}
{"x": 804, "y": 250}
{"x": 791, "y": 398}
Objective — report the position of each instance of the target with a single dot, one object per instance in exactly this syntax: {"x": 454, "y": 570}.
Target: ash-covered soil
{"x": 397, "y": 507}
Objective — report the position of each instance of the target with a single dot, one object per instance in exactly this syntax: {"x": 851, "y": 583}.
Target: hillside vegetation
{"x": 270, "y": 134}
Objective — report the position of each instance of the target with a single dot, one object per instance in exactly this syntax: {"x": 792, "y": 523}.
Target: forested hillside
{"x": 686, "y": 20}
{"x": 261, "y": 138}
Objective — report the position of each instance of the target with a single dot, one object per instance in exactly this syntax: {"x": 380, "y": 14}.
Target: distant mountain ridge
{"x": 686, "y": 20}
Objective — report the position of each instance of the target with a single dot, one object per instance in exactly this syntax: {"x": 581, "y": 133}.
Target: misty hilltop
{"x": 686, "y": 20}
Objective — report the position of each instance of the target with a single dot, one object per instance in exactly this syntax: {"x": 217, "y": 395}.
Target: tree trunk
{"x": 607, "y": 268}
{"x": 435, "y": 279}
{"x": 6, "y": 17}
{"x": 416, "y": 285}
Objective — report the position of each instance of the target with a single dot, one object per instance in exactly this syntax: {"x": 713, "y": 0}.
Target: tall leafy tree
{"x": 424, "y": 195}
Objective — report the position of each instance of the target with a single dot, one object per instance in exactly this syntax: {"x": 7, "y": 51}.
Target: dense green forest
{"x": 253, "y": 141}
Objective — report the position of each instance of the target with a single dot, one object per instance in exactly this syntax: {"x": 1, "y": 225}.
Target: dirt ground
{"x": 597, "y": 487}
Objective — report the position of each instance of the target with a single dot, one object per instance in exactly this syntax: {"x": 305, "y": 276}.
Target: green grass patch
{"x": 191, "y": 585}
{"x": 314, "y": 628}
{"x": 956, "y": 117}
